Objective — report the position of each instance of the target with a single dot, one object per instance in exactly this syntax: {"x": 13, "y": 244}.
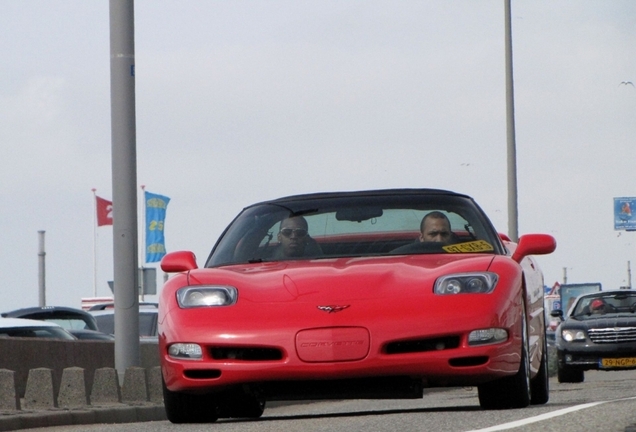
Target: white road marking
{"x": 546, "y": 416}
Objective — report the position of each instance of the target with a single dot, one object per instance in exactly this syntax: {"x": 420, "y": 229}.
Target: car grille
{"x": 613, "y": 335}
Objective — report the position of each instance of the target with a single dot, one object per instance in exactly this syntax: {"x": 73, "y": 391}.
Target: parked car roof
{"x": 20, "y": 327}
{"x": 67, "y": 317}
{"x": 105, "y": 306}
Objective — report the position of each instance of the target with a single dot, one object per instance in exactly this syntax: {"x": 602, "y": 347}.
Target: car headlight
{"x": 573, "y": 335}
{"x": 185, "y": 351}
{"x": 487, "y": 336}
{"x": 463, "y": 283}
{"x": 206, "y": 296}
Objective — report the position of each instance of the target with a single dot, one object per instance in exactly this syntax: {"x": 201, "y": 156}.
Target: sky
{"x": 243, "y": 101}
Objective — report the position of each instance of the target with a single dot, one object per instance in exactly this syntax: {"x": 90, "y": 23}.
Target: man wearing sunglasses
{"x": 292, "y": 237}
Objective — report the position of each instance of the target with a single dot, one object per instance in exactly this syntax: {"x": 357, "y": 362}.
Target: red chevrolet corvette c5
{"x": 371, "y": 294}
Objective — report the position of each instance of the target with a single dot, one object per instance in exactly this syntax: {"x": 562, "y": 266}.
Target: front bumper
{"x": 589, "y": 356}
{"x": 432, "y": 363}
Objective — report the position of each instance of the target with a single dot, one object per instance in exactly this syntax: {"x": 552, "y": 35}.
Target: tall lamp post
{"x": 124, "y": 169}
{"x": 513, "y": 219}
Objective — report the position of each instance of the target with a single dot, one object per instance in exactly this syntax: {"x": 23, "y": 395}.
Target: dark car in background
{"x": 599, "y": 333}
{"x": 77, "y": 321}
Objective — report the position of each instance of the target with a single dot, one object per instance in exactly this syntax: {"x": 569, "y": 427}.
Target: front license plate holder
{"x": 623, "y": 362}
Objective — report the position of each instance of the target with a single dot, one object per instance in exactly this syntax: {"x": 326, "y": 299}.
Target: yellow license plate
{"x": 468, "y": 247}
{"x": 618, "y": 362}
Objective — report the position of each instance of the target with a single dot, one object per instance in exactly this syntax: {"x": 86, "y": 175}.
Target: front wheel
{"x": 188, "y": 408}
{"x": 243, "y": 407}
{"x": 540, "y": 384}
{"x": 512, "y": 391}
{"x": 241, "y": 402}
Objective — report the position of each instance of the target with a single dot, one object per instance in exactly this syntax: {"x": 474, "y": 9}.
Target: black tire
{"x": 237, "y": 404}
{"x": 187, "y": 408}
{"x": 514, "y": 391}
{"x": 569, "y": 375}
{"x": 249, "y": 407}
{"x": 540, "y": 384}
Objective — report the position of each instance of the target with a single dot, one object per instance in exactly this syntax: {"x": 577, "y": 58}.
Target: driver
{"x": 292, "y": 237}
{"x": 597, "y": 306}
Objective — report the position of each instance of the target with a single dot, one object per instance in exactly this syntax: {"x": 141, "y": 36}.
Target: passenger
{"x": 435, "y": 227}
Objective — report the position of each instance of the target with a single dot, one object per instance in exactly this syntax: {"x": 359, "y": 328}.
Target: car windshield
{"x": 589, "y": 307}
{"x": 325, "y": 226}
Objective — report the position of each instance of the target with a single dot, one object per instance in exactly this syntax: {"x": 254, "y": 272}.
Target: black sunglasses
{"x": 299, "y": 232}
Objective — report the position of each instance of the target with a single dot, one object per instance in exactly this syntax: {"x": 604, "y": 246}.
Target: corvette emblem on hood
{"x": 332, "y": 308}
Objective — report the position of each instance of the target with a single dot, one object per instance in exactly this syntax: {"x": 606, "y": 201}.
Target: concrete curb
{"x": 140, "y": 393}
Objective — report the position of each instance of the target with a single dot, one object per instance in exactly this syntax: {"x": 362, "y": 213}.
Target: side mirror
{"x": 180, "y": 261}
{"x": 534, "y": 244}
{"x": 557, "y": 313}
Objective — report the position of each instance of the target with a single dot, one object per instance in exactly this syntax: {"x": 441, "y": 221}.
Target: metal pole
{"x": 513, "y": 219}
{"x": 629, "y": 275}
{"x": 94, "y": 242}
{"x": 124, "y": 173}
{"x": 41, "y": 269}
{"x": 143, "y": 241}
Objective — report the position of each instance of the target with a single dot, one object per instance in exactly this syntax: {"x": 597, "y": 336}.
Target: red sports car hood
{"x": 340, "y": 278}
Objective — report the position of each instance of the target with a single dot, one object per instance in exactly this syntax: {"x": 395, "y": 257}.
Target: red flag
{"x": 104, "y": 211}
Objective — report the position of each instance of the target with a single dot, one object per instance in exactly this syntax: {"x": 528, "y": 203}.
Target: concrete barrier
{"x": 57, "y": 355}
{"x": 72, "y": 405}
{"x": 105, "y": 388}
{"x": 56, "y": 382}
{"x": 39, "y": 392}
{"x": 73, "y": 391}
{"x": 135, "y": 387}
{"x": 9, "y": 400}
{"x": 155, "y": 389}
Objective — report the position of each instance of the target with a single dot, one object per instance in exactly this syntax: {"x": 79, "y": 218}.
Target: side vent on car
{"x": 422, "y": 345}
{"x": 202, "y": 373}
{"x": 246, "y": 354}
{"x": 468, "y": 361}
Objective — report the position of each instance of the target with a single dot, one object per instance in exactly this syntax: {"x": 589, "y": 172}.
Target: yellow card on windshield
{"x": 468, "y": 247}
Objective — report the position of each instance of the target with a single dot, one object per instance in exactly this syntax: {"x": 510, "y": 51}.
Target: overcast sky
{"x": 243, "y": 101}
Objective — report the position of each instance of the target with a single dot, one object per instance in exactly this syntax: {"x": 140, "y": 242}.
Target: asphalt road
{"x": 606, "y": 401}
